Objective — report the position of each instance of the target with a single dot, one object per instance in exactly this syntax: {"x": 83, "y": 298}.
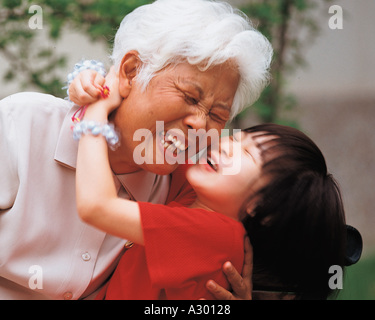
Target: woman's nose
{"x": 196, "y": 121}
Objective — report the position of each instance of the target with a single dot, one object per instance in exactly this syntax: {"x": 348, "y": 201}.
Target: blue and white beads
{"x": 91, "y": 127}
{"x": 85, "y": 65}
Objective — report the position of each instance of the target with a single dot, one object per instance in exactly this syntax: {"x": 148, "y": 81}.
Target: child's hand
{"x": 85, "y": 88}
{"x": 114, "y": 99}
{"x": 110, "y": 101}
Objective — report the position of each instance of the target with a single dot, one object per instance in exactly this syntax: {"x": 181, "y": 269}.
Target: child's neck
{"x": 198, "y": 204}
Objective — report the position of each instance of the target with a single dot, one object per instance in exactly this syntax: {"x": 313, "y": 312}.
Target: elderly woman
{"x": 190, "y": 64}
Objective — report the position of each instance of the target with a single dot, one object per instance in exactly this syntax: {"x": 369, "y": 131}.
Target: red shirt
{"x": 184, "y": 248}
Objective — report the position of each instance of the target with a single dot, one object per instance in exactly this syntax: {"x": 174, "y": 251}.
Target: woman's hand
{"x": 86, "y": 87}
{"x": 241, "y": 285}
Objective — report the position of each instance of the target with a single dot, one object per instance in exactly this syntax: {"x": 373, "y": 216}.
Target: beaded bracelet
{"x": 84, "y": 65}
{"x": 91, "y": 127}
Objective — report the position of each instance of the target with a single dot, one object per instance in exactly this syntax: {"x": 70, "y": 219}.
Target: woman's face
{"x": 177, "y": 99}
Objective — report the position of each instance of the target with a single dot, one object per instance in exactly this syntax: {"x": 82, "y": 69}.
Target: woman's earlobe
{"x": 124, "y": 87}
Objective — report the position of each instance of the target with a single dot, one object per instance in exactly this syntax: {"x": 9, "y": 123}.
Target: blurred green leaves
{"x": 290, "y": 25}
{"x": 31, "y": 57}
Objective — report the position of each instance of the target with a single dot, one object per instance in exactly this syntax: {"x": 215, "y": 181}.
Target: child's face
{"x": 229, "y": 175}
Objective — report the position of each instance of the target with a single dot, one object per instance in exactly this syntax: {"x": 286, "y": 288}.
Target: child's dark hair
{"x": 297, "y": 228}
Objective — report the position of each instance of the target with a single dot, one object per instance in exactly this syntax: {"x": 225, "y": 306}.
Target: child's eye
{"x": 235, "y": 138}
{"x": 250, "y": 154}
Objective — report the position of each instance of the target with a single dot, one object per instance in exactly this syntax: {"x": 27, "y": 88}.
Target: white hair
{"x": 203, "y": 33}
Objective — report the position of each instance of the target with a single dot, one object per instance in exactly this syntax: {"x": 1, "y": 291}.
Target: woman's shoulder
{"x": 34, "y": 104}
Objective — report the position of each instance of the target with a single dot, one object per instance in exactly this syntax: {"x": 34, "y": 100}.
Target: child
{"x": 289, "y": 204}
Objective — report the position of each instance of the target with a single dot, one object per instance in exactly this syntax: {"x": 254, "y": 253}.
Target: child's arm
{"x": 97, "y": 200}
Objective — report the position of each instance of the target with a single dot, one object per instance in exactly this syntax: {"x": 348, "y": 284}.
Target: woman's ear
{"x": 129, "y": 67}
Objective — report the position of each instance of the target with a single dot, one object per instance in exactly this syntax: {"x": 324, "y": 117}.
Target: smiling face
{"x": 223, "y": 192}
{"x": 179, "y": 98}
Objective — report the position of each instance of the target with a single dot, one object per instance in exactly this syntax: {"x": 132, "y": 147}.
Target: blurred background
{"x": 323, "y": 81}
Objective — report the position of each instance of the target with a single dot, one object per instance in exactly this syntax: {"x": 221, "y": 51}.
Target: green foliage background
{"x": 32, "y": 63}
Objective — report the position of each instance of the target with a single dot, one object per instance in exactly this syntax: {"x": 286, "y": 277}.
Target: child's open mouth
{"x": 212, "y": 163}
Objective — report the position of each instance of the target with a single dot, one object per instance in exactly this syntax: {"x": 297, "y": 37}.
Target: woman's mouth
{"x": 172, "y": 143}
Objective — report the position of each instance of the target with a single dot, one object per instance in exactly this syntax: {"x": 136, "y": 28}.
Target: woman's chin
{"x": 160, "y": 169}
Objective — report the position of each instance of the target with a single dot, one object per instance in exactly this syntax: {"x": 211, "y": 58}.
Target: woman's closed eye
{"x": 218, "y": 118}
{"x": 190, "y": 99}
